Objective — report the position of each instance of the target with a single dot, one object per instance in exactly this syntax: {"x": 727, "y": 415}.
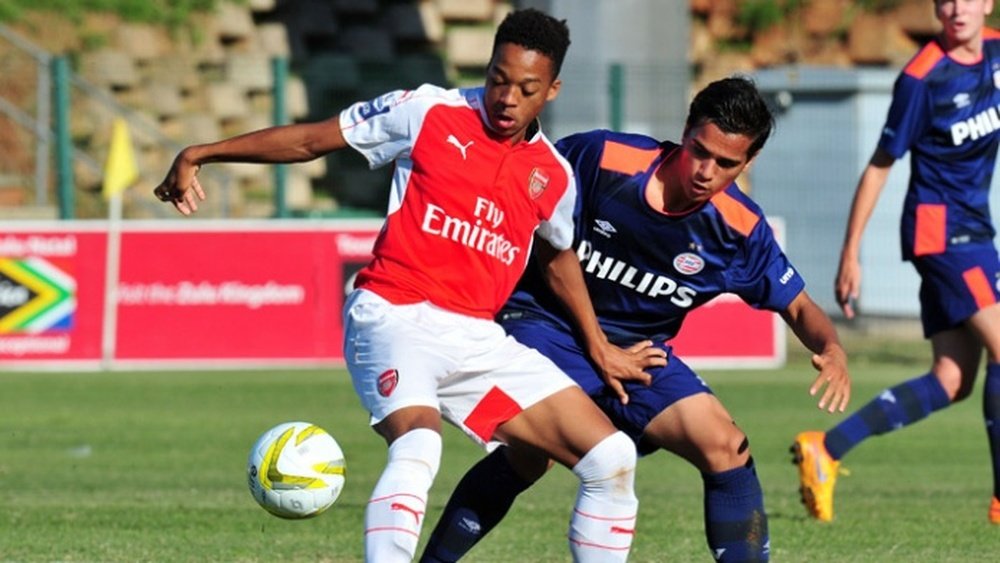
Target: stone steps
{"x": 213, "y": 77}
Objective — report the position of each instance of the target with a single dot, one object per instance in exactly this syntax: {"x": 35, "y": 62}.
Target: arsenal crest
{"x": 537, "y": 182}
{"x": 387, "y": 382}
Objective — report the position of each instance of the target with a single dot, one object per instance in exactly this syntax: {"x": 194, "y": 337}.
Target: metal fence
{"x": 39, "y": 97}
{"x": 25, "y": 114}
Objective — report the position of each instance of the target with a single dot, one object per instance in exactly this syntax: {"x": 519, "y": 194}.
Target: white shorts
{"x": 421, "y": 355}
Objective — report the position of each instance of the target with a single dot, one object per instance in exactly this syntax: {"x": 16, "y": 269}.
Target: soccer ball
{"x": 296, "y": 470}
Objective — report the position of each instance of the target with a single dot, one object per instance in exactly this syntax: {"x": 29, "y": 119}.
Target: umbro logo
{"x": 458, "y": 145}
{"x": 604, "y": 227}
{"x": 470, "y": 525}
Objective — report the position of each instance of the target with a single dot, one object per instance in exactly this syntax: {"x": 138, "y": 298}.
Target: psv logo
{"x": 689, "y": 263}
{"x": 537, "y": 182}
{"x": 387, "y": 382}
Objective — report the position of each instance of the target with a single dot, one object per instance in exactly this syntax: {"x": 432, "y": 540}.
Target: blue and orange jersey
{"x": 644, "y": 269}
{"x": 947, "y": 115}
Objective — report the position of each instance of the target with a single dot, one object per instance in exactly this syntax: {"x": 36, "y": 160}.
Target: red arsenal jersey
{"x": 464, "y": 202}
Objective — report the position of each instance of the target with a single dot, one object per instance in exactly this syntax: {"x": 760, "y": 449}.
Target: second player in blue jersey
{"x": 661, "y": 229}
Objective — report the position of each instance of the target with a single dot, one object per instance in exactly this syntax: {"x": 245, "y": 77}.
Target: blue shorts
{"x": 671, "y": 383}
{"x": 956, "y": 285}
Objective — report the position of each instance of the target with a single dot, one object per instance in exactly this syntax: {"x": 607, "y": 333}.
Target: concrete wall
{"x": 829, "y": 121}
{"x": 649, "y": 37}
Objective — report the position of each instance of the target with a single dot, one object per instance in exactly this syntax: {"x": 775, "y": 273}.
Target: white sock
{"x": 396, "y": 508}
{"x": 603, "y": 521}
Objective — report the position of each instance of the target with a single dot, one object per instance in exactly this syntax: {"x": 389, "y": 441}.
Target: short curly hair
{"x": 536, "y": 31}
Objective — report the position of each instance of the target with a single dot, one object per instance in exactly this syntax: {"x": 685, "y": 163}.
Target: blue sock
{"x": 991, "y": 412}
{"x": 735, "y": 522}
{"x": 894, "y": 408}
{"x": 478, "y": 503}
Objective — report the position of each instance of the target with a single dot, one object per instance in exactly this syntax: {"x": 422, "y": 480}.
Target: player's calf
{"x": 395, "y": 512}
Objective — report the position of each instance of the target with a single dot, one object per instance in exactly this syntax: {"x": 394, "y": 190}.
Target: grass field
{"x": 149, "y": 466}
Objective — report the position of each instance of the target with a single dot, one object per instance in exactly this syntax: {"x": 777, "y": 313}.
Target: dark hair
{"x": 536, "y": 31}
{"x": 735, "y": 106}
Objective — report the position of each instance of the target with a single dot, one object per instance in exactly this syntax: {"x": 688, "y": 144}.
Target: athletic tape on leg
{"x": 603, "y": 521}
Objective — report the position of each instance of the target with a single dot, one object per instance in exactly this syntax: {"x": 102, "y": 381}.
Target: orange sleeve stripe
{"x": 930, "y": 237}
{"x": 617, "y": 157}
{"x": 979, "y": 287}
{"x": 990, "y": 33}
{"x": 924, "y": 61}
{"x": 735, "y": 214}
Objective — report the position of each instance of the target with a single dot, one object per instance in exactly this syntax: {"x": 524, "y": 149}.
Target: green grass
{"x": 149, "y": 466}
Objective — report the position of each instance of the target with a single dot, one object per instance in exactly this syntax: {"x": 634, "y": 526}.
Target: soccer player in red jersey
{"x": 944, "y": 112}
{"x": 476, "y": 186}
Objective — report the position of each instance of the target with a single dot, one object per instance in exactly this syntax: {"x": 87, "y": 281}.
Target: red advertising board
{"x": 232, "y": 292}
{"x": 728, "y": 333}
{"x": 51, "y": 294}
{"x": 235, "y": 292}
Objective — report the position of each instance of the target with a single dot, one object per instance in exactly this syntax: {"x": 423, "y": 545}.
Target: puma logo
{"x": 462, "y": 148}
{"x": 402, "y": 507}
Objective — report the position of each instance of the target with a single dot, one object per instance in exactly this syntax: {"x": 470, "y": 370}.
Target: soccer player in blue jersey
{"x": 946, "y": 112}
{"x": 661, "y": 229}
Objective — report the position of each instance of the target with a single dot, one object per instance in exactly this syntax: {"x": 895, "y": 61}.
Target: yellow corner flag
{"x": 120, "y": 171}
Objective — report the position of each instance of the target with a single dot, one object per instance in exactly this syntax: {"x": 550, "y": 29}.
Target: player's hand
{"x": 833, "y": 375}
{"x": 181, "y": 186}
{"x": 617, "y": 365}
{"x": 847, "y": 286}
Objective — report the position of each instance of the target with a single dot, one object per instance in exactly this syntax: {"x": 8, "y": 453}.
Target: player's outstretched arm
{"x": 562, "y": 271}
{"x": 816, "y": 332}
{"x": 847, "y": 286}
{"x": 285, "y": 144}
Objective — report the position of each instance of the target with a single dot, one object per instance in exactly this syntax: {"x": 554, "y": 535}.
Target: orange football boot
{"x": 817, "y": 474}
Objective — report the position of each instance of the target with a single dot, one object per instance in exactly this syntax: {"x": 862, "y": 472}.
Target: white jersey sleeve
{"x": 385, "y": 128}
{"x": 558, "y": 229}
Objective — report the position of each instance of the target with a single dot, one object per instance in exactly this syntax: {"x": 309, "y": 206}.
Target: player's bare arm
{"x": 848, "y": 283}
{"x": 563, "y": 274}
{"x": 284, "y": 144}
{"x": 816, "y": 332}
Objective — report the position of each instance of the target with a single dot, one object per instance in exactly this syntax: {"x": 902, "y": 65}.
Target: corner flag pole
{"x": 120, "y": 172}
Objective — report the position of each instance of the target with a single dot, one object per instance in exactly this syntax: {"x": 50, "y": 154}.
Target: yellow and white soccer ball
{"x": 296, "y": 470}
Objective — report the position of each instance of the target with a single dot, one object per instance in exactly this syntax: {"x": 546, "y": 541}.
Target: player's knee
{"x": 728, "y": 450}
{"x": 421, "y": 447}
{"x": 610, "y": 465}
{"x": 957, "y": 386}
